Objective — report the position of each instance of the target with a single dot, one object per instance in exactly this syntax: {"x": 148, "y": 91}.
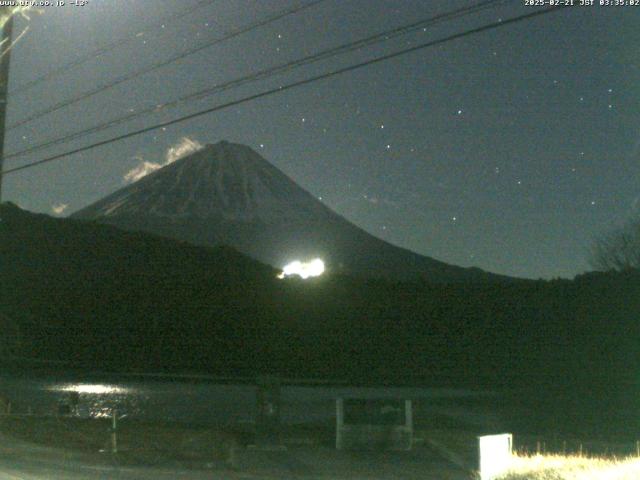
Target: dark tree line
{"x": 618, "y": 250}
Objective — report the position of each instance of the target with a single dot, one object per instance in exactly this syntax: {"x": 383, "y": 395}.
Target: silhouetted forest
{"x": 97, "y": 298}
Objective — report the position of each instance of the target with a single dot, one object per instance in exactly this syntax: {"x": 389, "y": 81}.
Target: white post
{"x": 114, "y": 427}
{"x": 408, "y": 421}
{"x": 408, "y": 415}
{"x": 495, "y": 455}
{"x": 339, "y": 422}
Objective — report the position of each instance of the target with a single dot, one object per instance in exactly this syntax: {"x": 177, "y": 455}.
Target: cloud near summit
{"x": 184, "y": 147}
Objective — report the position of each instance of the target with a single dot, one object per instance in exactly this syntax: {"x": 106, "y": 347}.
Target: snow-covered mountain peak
{"x": 222, "y": 180}
{"x": 227, "y": 194}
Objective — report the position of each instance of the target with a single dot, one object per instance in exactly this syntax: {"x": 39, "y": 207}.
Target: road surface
{"x": 23, "y": 461}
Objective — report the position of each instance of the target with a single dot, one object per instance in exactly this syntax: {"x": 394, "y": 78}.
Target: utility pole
{"x": 5, "y": 51}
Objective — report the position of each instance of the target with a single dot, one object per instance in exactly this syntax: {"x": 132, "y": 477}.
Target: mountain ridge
{"x": 227, "y": 193}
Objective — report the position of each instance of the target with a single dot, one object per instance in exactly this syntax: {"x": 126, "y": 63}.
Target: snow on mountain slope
{"x": 228, "y": 194}
{"x": 225, "y": 180}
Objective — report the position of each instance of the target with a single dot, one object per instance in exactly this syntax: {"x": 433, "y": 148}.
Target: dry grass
{"x": 560, "y": 467}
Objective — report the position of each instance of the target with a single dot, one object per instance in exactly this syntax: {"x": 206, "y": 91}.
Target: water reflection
{"x": 195, "y": 402}
{"x": 191, "y": 402}
{"x": 95, "y": 400}
{"x": 96, "y": 389}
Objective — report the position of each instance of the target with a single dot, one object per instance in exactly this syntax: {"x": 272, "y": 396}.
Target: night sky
{"x": 509, "y": 150}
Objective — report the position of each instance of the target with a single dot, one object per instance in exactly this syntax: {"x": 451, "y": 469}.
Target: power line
{"x": 107, "y": 48}
{"x": 382, "y": 58}
{"x": 266, "y": 73}
{"x": 131, "y": 76}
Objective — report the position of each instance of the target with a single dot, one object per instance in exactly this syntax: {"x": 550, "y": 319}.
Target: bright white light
{"x": 59, "y": 208}
{"x": 94, "y": 389}
{"x": 314, "y": 268}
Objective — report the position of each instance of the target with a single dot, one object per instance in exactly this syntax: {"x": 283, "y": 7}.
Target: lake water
{"x": 206, "y": 401}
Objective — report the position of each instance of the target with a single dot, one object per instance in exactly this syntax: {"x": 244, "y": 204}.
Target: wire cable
{"x": 131, "y": 76}
{"x": 106, "y": 48}
{"x": 266, "y": 73}
{"x": 376, "y": 60}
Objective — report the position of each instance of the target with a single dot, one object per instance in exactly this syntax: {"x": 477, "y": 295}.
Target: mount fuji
{"x": 227, "y": 194}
